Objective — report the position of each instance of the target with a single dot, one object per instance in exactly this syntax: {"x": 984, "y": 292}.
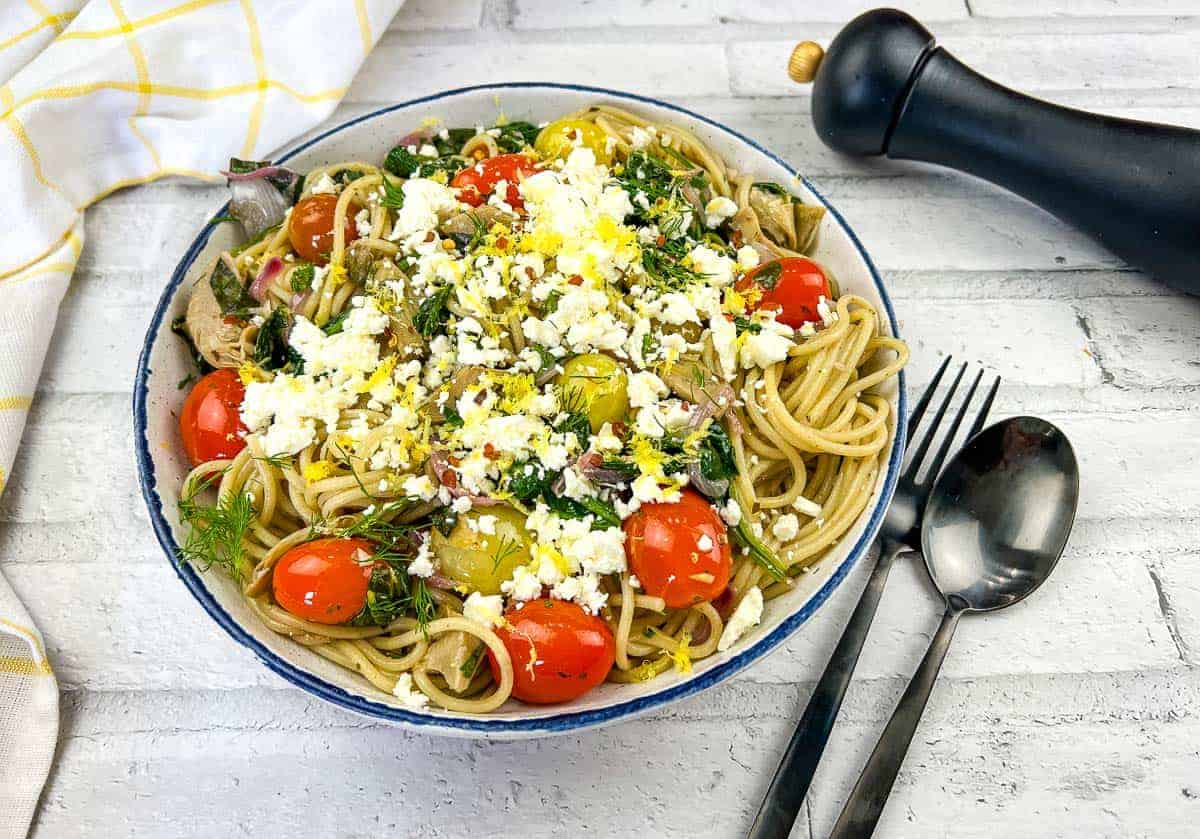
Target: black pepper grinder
{"x": 884, "y": 87}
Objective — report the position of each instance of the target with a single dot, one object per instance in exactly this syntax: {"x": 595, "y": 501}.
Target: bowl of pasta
{"x": 518, "y": 409}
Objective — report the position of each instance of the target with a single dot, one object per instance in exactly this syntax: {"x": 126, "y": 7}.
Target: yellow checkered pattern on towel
{"x": 100, "y": 95}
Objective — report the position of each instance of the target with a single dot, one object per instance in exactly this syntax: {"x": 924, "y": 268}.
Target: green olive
{"x": 481, "y": 560}
{"x": 598, "y": 385}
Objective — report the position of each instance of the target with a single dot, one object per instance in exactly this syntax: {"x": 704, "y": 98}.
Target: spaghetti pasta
{"x": 585, "y": 363}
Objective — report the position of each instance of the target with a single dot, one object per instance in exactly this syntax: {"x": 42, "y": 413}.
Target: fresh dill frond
{"x": 277, "y": 460}
{"x": 506, "y": 547}
{"x": 665, "y": 264}
{"x": 216, "y": 532}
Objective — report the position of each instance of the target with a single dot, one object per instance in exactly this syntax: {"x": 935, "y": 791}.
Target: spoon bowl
{"x": 999, "y": 515}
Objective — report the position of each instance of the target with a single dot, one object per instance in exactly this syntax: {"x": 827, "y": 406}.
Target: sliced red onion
{"x": 269, "y": 271}
{"x": 260, "y": 198}
{"x": 589, "y": 465}
{"x": 415, "y": 138}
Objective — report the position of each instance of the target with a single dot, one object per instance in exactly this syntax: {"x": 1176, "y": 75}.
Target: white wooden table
{"x": 1075, "y": 714}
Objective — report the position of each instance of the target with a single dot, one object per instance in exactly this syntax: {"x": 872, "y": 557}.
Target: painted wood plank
{"x": 1081, "y": 755}
{"x": 425, "y": 15}
{"x": 1081, "y": 8}
{"x": 399, "y": 70}
{"x": 549, "y": 14}
{"x": 1093, "y": 60}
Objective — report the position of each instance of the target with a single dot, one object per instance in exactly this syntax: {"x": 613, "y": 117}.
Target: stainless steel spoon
{"x": 996, "y": 523}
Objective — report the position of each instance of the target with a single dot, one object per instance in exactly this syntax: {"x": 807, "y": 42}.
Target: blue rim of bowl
{"x": 483, "y": 725}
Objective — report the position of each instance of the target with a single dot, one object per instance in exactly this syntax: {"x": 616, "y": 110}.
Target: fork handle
{"x": 865, "y": 805}
{"x": 799, "y": 763}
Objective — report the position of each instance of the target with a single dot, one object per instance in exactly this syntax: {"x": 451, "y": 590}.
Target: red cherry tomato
{"x": 558, "y": 651}
{"x": 476, "y": 183}
{"x": 211, "y": 421}
{"x": 679, "y": 552}
{"x": 793, "y": 286}
{"x": 325, "y": 580}
{"x": 310, "y": 227}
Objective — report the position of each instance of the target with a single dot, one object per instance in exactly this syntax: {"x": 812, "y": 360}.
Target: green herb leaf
{"x": 766, "y": 186}
{"x": 271, "y": 348}
{"x": 216, "y": 532}
{"x": 471, "y": 665}
{"x": 335, "y": 324}
{"x": 527, "y": 479}
{"x": 604, "y": 515}
{"x": 401, "y": 162}
{"x": 743, "y": 324}
{"x": 517, "y": 136}
{"x": 393, "y": 196}
{"x": 302, "y": 277}
{"x": 432, "y": 314}
{"x": 232, "y": 296}
{"x": 716, "y": 458}
{"x": 451, "y": 417}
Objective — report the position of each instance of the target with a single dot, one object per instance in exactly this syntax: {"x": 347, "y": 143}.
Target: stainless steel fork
{"x": 901, "y": 531}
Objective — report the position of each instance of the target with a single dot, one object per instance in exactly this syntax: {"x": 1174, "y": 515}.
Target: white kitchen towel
{"x": 100, "y": 95}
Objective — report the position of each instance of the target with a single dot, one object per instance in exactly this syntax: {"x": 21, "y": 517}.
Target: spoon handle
{"x": 799, "y": 762}
{"x": 862, "y": 810}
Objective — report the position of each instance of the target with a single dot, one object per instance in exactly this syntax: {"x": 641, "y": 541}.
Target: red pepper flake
{"x": 620, "y": 429}
{"x": 736, "y": 238}
{"x": 453, "y": 461}
{"x": 489, "y": 451}
{"x": 502, "y": 243}
{"x": 575, "y": 279}
{"x": 529, "y": 273}
{"x": 449, "y": 479}
{"x": 660, "y": 241}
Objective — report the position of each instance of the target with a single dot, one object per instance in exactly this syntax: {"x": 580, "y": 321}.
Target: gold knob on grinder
{"x": 805, "y": 59}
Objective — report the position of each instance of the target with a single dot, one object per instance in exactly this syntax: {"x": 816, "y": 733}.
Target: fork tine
{"x": 914, "y": 465}
{"x": 918, "y": 411}
{"x": 935, "y": 465}
{"x": 984, "y": 409}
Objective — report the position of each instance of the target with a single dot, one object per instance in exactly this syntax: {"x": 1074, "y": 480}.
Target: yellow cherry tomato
{"x": 560, "y": 137}
{"x": 598, "y": 385}
{"x": 480, "y": 559}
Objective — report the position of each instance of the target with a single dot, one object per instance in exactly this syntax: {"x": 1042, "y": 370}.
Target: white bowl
{"x": 162, "y": 465}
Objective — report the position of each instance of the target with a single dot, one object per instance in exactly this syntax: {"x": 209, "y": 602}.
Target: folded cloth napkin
{"x": 100, "y": 95}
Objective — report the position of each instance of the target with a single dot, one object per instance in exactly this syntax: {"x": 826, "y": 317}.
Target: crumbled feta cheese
{"x": 786, "y": 527}
{"x": 325, "y": 185}
{"x": 362, "y": 223}
{"x": 809, "y": 508}
{"x": 523, "y": 586}
{"x": 731, "y": 513}
{"x": 485, "y": 609}
{"x": 717, "y": 210}
{"x": 425, "y": 203}
{"x": 584, "y": 590}
{"x": 408, "y": 695}
{"x": 422, "y": 564}
{"x": 768, "y": 346}
{"x": 704, "y": 543}
{"x": 747, "y": 614}
{"x": 645, "y": 389}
